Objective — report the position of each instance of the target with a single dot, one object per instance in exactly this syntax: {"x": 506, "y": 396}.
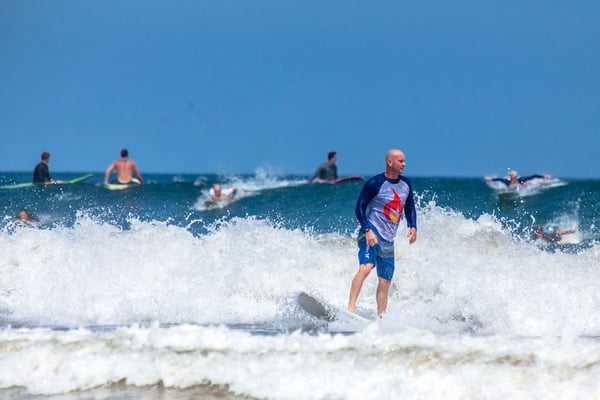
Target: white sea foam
{"x": 373, "y": 364}
{"x": 263, "y": 179}
{"x": 473, "y": 313}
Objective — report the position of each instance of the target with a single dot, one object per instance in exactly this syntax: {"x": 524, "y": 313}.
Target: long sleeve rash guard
{"x": 381, "y": 203}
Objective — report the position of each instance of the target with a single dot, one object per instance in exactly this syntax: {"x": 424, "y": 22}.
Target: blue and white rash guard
{"x": 381, "y": 203}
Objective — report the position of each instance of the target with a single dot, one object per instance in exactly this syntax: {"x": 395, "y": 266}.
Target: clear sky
{"x": 465, "y": 88}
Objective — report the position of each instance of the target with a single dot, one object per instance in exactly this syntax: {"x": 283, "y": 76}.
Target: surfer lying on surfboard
{"x": 515, "y": 181}
{"x": 552, "y": 235}
{"x": 219, "y": 195}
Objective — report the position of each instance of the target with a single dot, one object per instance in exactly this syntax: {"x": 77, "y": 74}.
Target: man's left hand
{"x": 412, "y": 235}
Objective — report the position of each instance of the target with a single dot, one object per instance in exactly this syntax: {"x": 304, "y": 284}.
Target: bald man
{"x": 379, "y": 208}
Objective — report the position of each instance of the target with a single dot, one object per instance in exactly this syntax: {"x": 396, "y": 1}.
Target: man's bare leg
{"x": 357, "y": 282}
{"x": 383, "y": 288}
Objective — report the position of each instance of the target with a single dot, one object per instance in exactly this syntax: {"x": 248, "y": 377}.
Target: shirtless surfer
{"x": 125, "y": 167}
{"x": 220, "y": 195}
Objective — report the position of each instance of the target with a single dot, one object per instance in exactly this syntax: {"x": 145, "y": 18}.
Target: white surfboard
{"x": 121, "y": 186}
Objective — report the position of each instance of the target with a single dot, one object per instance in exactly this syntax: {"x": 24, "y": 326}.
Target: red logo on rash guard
{"x": 393, "y": 209}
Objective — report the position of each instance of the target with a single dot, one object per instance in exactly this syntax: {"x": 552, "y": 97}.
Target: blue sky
{"x": 465, "y": 88}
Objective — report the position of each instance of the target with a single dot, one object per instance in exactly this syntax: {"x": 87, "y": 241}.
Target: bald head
{"x": 395, "y": 161}
{"x": 393, "y": 153}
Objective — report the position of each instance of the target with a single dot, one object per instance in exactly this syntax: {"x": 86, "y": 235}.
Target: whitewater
{"x": 147, "y": 294}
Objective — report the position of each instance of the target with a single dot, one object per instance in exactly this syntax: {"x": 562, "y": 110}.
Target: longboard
{"x": 326, "y": 312}
{"x": 29, "y": 184}
{"x": 217, "y": 204}
{"x": 509, "y": 195}
{"x": 353, "y": 178}
{"x": 121, "y": 186}
{"x": 81, "y": 178}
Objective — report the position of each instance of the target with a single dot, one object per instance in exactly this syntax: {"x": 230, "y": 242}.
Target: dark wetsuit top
{"x": 325, "y": 172}
{"x": 41, "y": 173}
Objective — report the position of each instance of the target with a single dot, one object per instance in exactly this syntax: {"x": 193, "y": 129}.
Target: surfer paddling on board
{"x": 220, "y": 195}
{"x": 327, "y": 171}
{"x": 552, "y": 235}
{"x": 515, "y": 181}
{"x": 379, "y": 209}
{"x": 125, "y": 168}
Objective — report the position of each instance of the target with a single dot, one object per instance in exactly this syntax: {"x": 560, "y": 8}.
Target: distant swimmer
{"x": 220, "y": 195}
{"x": 515, "y": 181}
{"x": 25, "y": 217}
{"x": 41, "y": 173}
{"x": 327, "y": 171}
{"x": 125, "y": 168}
{"x": 551, "y": 235}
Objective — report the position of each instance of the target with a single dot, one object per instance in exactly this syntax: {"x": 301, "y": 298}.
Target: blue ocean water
{"x": 287, "y": 200}
{"x": 148, "y": 293}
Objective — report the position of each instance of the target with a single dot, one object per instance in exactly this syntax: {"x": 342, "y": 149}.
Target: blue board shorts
{"x": 381, "y": 255}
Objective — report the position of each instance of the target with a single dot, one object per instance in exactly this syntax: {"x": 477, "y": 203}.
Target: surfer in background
{"x": 379, "y": 209}
{"x": 220, "y": 195}
{"x": 553, "y": 236}
{"x": 515, "y": 181}
{"x": 125, "y": 168}
{"x": 41, "y": 173}
{"x": 25, "y": 217}
{"x": 327, "y": 171}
